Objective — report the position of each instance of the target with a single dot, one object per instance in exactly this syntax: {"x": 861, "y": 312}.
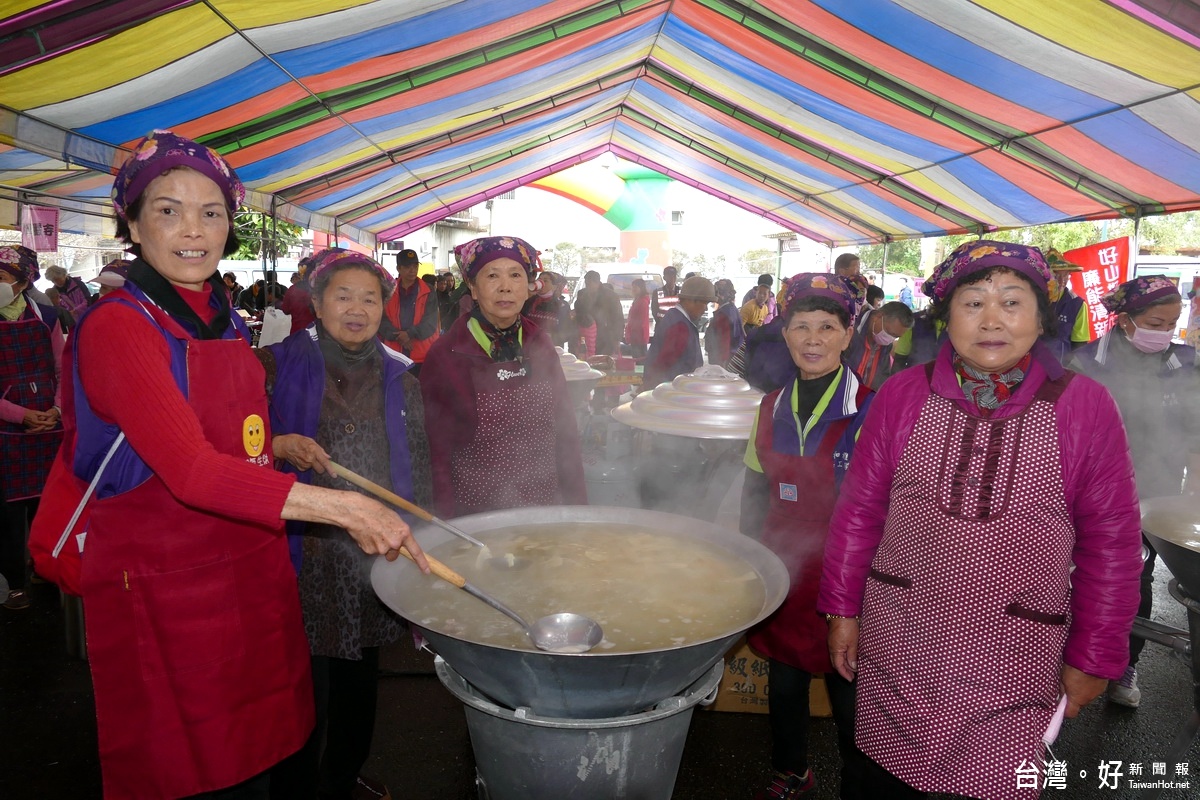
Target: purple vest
{"x": 94, "y": 436}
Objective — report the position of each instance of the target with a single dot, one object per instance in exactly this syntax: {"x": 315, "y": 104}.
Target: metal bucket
{"x": 519, "y": 755}
{"x": 584, "y": 685}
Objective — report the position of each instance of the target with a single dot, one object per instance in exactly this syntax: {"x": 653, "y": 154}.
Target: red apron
{"x": 966, "y": 610}
{"x": 27, "y": 379}
{"x": 198, "y": 654}
{"x": 511, "y": 460}
{"x": 797, "y": 524}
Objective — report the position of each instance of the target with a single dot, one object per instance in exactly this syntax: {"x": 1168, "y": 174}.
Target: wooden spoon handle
{"x": 380, "y": 492}
{"x": 438, "y": 568}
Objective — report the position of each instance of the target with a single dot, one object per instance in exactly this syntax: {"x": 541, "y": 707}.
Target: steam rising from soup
{"x": 648, "y": 590}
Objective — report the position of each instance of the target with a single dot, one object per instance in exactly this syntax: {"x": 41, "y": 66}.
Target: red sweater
{"x": 125, "y": 370}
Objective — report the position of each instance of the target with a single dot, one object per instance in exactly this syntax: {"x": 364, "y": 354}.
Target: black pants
{"x": 875, "y": 781}
{"x": 1146, "y": 607}
{"x": 14, "y": 531}
{"x": 327, "y": 767}
{"x": 789, "y": 718}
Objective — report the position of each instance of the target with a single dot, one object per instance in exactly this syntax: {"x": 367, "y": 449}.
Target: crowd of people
{"x": 954, "y": 492}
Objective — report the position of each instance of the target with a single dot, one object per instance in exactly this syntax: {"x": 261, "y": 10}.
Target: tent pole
{"x": 883, "y": 269}
{"x": 778, "y": 260}
{"x": 1137, "y": 225}
{"x": 274, "y": 237}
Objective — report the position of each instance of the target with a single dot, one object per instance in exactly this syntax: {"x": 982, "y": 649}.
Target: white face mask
{"x": 6, "y": 294}
{"x": 1149, "y": 341}
{"x": 883, "y": 338}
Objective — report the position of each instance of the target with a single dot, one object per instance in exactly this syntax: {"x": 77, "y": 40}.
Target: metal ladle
{"x": 555, "y": 633}
{"x": 507, "y": 561}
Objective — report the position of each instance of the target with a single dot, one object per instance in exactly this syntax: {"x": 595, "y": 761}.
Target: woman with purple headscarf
{"x": 502, "y": 432}
{"x": 1156, "y": 384}
{"x": 979, "y": 482}
{"x": 195, "y": 642}
{"x": 803, "y": 438}
{"x": 31, "y": 346}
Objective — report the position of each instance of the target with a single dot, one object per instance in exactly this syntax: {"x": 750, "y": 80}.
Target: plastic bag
{"x": 275, "y": 328}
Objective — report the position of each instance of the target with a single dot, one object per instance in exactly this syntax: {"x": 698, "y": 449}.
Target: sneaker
{"x": 1125, "y": 692}
{"x": 17, "y": 600}
{"x": 786, "y": 786}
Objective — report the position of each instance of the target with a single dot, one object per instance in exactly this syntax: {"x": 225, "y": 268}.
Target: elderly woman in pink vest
{"x": 978, "y": 481}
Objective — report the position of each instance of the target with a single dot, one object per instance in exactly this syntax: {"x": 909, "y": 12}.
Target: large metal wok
{"x": 595, "y": 684}
{"x": 1172, "y": 524}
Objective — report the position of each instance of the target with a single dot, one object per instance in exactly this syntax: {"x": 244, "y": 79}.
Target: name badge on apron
{"x": 787, "y": 491}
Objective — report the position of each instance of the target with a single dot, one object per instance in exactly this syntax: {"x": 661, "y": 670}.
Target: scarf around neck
{"x": 164, "y": 295}
{"x": 990, "y": 390}
{"x": 505, "y": 344}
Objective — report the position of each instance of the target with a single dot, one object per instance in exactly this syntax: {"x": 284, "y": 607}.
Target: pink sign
{"x": 39, "y": 228}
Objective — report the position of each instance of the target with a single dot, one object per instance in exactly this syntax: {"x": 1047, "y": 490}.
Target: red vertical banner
{"x": 1105, "y": 267}
{"x": 39, "y": 228}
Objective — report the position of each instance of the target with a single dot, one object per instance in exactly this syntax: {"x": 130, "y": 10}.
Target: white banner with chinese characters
{"x": 1105, "y": 267}
{"x": 39, "y": 228}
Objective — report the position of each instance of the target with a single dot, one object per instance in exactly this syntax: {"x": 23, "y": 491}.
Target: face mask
{"x": 1149, "y": 341}
{"x": 883, "y": 338}
{"x": 6, "y": 294}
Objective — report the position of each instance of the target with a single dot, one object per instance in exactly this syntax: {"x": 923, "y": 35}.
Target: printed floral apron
{"x": 198, "y": 654}
{"x": 27, "y": 379}
{"x": 967, "y": 604}
{"x": 797, "y": 524}
{"x": 511, "y": 461}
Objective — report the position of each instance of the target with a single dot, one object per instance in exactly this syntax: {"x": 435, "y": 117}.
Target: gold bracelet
{"x": 831, "y": 617}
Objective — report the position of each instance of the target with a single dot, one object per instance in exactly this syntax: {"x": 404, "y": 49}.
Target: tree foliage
{"x": 569, "y": 259}
{"x": 760, "y": 261}
{"x": 903, "y": 257}
{"x": 259, "y": 236}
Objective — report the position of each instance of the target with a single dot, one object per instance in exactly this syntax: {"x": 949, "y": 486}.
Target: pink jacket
{"x": 1097, "y": 476}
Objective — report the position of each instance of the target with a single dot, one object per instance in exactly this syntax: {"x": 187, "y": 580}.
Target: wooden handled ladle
{"x": 556, "y": 633}
{"x": 507, "y": 561}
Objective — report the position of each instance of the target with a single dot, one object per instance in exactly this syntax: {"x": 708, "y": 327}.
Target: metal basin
{"x": 1172, "y": 524}
{"x": 595, "y": 684}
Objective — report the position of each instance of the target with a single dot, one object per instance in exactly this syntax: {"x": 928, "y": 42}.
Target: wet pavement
{"x": 422, "y": 750}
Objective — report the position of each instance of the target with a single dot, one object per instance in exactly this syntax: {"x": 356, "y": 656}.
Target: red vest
{"x": 417, "y": 348}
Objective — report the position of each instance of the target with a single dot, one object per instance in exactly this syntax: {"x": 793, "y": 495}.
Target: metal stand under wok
{"x": 1187, "y": 643}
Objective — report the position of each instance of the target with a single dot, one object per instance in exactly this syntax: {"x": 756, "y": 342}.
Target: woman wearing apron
{"x": 977, "y": 482}
{"x": 502, "y": 431}
{"x": 1156, "y": 384}
{"x": 197, "y": 650}
{"x": 797, "y": 454}
{"x": 31, "y": 345}
{"x": 337, "y": 393}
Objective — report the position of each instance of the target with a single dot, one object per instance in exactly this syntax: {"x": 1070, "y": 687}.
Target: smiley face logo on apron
{"x": 253, "y": 435}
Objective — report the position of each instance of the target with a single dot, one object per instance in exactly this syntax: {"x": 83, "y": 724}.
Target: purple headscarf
{"x": 1138, "y": 293}
{"x": 971, "y": 257}
{"x": 822, "y": 284}
{"x": 329, "y": 261}
{"x": 477, "y": 253}
{"x": 161, "y": 151}
{"x": 20, "y": 262}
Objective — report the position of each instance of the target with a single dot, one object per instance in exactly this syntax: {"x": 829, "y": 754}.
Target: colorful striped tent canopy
{"x": 849, "y": 122}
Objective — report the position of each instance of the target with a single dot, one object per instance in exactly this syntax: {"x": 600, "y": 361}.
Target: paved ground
{"x": 422, "y": 750}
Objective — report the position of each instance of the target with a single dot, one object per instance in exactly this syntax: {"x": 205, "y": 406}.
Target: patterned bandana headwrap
{"x": 1139, "y": 293}
{"x": 971, "y": 257}
{"x": 161, "y": 151}
{"x": 20, "y": 262}
{"x": 329, "y": 261}
{"x": 477, "y": 253}
{"x": 114, "y": 273}
{"x": 822, "y": 284}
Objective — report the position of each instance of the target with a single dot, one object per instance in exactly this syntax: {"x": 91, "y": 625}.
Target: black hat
{"x": 407, "y": 258}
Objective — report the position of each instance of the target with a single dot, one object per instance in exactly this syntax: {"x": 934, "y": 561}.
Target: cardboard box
{"x": 744, "y": 685}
